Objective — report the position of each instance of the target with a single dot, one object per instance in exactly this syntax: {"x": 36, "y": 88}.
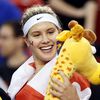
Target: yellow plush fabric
{"x": 81, "y": 55}
{"x": 75, "y": 55}
{"x": 0, "y": 98}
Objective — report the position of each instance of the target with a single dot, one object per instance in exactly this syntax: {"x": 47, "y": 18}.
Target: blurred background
{"x": 13, "y": 51}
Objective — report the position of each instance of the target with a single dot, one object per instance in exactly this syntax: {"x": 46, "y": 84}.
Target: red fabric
{"x": 28, "y": 93}
{"x": 32, "y": 65}
{"x": 81, "y": 80}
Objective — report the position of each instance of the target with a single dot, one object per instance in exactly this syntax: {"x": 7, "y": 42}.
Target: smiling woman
{"x": 40, "y": 27}
{"x": 42, "y": 41}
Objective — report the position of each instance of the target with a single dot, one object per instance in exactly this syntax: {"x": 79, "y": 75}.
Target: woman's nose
{"x": 45, "y": 39}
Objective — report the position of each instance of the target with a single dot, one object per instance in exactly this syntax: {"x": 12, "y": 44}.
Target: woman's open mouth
{"x": 46, "y": 49}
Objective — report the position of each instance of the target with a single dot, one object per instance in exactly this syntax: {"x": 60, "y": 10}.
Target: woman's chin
{"x": 48, "y": 57}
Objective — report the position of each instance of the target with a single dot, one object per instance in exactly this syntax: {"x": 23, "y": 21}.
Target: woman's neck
{"x": 39, "y": 63}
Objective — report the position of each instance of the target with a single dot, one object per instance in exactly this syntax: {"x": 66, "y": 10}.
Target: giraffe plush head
{"x": 77, "y": 42}
{"x": 77, "y": 32}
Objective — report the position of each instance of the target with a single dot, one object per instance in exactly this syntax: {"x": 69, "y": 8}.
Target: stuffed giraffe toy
{"x": 0, "y": 98}
{"x": 76, "y": 55}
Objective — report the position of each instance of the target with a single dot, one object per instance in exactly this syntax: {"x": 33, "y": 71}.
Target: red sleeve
{"x": 81, "y": 80}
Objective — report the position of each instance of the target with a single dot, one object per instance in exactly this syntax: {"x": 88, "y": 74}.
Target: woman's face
{"x": 42, "y": 40}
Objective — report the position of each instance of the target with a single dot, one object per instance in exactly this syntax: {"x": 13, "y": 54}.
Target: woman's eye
{"x": 51, "y": 32}
{"x": 36, "y": 35}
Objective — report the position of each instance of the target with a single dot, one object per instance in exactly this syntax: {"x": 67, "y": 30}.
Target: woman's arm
{"x": 88, "y": 11}
{"x": 90, "y": 15}
{"x": 66, "y": 9}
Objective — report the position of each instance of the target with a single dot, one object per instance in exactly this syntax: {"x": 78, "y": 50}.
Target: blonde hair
{"x": 34, "y": 10}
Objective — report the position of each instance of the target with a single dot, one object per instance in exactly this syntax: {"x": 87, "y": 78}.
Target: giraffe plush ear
{"x": 90, "y": 36}
{"x": 72, "y": 23}
{"x": 63, "y": 36}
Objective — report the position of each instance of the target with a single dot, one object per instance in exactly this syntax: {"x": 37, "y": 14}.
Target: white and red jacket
{"x": 22, "y": 88}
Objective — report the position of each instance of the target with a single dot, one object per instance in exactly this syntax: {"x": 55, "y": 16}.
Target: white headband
{"x": 39, "y": 18}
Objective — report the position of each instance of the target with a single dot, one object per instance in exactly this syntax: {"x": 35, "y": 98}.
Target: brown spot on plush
{"x": 56, "y": 62}
{"x": 69, "y": 69}
{"x": 64, "y": 50}
{"x": 67, "y": 58}
{"x": 55, "y": 68}
{"x": 70, "y": 63}
{"x": 74, "y": 69}
{"x": 61, "y": 55}
{"x": 71, "y": 37}
{"x": 48, "y": 93}
{"x": 55, "y": 73}
{"x": 59, "y": 78}
{"x": 62, "y": 62}
{"x": 60, "y": 66}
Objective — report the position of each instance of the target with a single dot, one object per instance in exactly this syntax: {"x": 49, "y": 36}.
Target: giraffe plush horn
{"x": 77, "y": 31}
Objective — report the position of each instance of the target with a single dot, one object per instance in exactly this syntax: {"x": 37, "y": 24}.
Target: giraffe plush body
{"x": 75, "y": 55}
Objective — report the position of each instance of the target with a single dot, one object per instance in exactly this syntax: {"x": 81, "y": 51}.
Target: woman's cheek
{"x": 53, "y": 37}
{"x": 34, "y": 43}
{"x": 31, "y": 43}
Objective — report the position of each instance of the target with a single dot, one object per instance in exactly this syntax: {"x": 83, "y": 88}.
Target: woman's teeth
{"x": 46, "y": 49}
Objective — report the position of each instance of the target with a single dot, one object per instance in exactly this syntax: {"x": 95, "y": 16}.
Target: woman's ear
{"x": 90, "y": 36}
{"x": 26, "y": 41}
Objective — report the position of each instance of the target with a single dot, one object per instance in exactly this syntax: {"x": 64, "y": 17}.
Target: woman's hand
{"x": 64, "y": 91}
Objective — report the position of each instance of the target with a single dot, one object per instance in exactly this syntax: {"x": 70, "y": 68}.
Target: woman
{"x": 40, "y": 27}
